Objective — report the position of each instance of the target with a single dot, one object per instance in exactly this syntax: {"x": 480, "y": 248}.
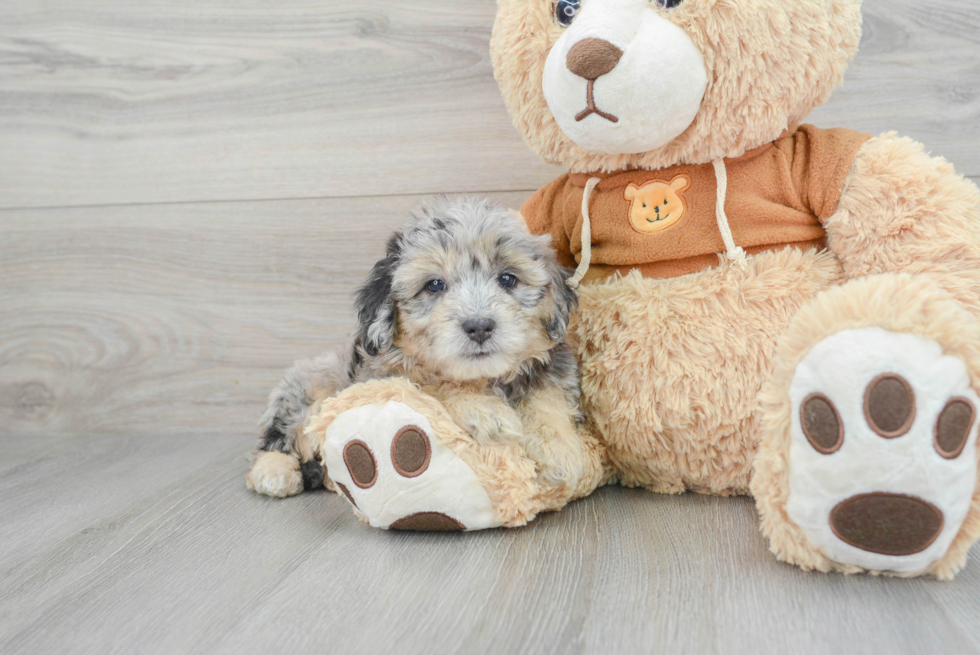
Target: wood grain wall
{"x": 190, "y": 191}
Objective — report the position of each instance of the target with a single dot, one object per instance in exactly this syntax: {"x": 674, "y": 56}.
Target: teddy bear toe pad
{"x": 386, "y": 460}
{"x": 883, "y": 452}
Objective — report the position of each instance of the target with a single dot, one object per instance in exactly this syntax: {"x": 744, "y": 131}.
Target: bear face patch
{"x": 657, "y": 205}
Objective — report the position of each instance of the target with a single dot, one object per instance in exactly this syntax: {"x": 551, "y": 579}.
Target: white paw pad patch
{"x": 883, "y": 453}
{"x": 386, "y": 461}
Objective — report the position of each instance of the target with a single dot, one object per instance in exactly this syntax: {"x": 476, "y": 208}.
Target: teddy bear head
{"x": 605, "y": 85}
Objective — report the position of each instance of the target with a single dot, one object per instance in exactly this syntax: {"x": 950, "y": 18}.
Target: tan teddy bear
{"x": 799, "y": 321}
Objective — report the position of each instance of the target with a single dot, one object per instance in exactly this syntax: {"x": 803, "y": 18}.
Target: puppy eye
{"x": 669, "y": 4}
{"x": 435, "y": 286}
{"x": 567, "y": 10}
{"x": 507, "y": 281}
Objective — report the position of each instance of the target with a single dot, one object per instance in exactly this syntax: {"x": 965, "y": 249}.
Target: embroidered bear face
{"x": 606, "y": 85}
{"x": 657, "y": 205}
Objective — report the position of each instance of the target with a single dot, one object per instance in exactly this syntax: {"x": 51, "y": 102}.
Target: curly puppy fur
{"x": 467, "y": 306}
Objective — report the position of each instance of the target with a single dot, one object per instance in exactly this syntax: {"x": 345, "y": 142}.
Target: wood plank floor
{"x": 189, "y": 194}
{"x": 122, "y": 544}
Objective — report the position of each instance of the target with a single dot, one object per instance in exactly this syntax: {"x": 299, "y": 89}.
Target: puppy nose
{"x": 592, "y": 58}
{"x": 479, "y": 329}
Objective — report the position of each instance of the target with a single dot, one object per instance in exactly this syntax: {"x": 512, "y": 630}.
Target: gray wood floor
{"x": 189, "y": 193}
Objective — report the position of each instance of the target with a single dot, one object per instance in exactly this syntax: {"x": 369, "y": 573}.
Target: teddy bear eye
{"x": 566, "y": 10}
{"x": 669, "y": 4}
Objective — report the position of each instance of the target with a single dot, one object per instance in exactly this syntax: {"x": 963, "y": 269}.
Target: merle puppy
{"x": 472, "y": 308}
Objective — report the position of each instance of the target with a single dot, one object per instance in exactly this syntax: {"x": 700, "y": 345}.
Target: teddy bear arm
{"x": 543, "y": 214}
{"x": 902, "y": 211}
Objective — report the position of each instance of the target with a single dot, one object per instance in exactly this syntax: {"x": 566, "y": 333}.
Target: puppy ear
{"x": 564, "y": 300}
{"x": 374, "y": 304}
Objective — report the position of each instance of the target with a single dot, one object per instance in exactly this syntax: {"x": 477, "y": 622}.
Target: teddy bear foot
{"x": 868, "y": 453}
{"x": 882, "y": 462}
{"x": 388, "y": 462}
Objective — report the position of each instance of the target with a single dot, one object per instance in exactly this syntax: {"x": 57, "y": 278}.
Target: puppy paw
{"x": 488, "y": 422}
{"x": 275, "y": 474}
{"x": 388, "y": 462}
{"x": 559, "y": 465}
{"x": 883, "y": 454}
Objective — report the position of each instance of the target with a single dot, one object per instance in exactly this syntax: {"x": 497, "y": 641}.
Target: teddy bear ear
{"x": 680, "y": 183}
{"x": 631, "y": 191}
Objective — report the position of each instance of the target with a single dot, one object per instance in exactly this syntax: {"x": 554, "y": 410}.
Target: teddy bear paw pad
{"x": 883, "y": 450}
{"x": 386, "y": 460}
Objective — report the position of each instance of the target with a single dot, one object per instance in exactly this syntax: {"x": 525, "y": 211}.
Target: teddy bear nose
{"x": 592, "y": 58}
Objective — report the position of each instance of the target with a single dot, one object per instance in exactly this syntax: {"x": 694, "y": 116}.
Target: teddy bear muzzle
{"x": 622, "y": 78}
{"x": 590, "y": 59}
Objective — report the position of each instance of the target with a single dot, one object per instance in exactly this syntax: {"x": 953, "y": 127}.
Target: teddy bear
{"x": 766, "y": 307}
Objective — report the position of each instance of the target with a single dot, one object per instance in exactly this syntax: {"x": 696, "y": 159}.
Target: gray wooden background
{"x": 189, "y": 193}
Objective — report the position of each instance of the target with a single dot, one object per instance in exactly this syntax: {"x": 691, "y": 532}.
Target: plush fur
{"x": 904, "y": 211}
{"x": 649, "y": 348}
{"x": 682, "y": 377}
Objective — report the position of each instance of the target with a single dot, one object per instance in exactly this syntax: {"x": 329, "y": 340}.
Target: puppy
{"x": 471, "y": 307}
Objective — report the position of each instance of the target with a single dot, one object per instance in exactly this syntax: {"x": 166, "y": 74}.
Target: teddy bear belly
{"x": 672, "y": 368}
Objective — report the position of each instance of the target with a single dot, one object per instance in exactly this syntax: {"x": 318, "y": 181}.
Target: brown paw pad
{"x": 889, "y": 405}
{"x": 428, "y": 522}
{"x": 822, "y": 425}
{"x": 360, "y": 463}
{"x": 410, "y": 451}
{"x": 887, "y": 524}
{"x": 953, "y": 427}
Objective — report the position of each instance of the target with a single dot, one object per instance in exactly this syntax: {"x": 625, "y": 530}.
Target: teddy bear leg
{"x": 401, "y": 461}
{"x": 390, "y": 464}
{"x": 868, "y": 460}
